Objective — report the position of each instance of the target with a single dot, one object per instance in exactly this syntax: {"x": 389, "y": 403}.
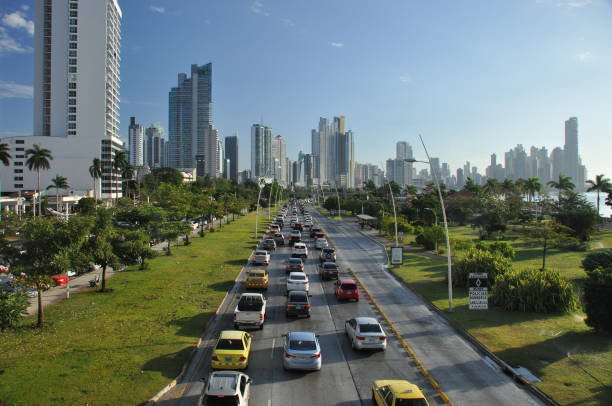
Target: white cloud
{"x": 257, "y": 8}
{"x": 18, "y": 20}
{"x": 8, "y": 44}
{"x": 287, "y": 22}
{"x": 158, "y": 9}
{"x": 337, "y": 44}
{"x": 11, "y": 90}
{"x": 25, "y": 7}
{"x": 584, "y": 56}
{"x": 405, "y": 79}
{"x": 575, "y": 3}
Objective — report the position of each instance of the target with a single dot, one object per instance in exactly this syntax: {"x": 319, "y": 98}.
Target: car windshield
{"x": 330, "y": 266}
{"x": 298, "y": 297}
{"x": 348, "y": 286}
{"x": 410, "y": 402}
{"x": 328, "y": 250}
{"x": 298, "y": 277}
{"x": 302, "y": 345}
{"x": 227, "y": 344}
{"x": 257, "y": 274}
{"x": 221, "y": 400}
{"x": 370, "y": 328}
{"x": 295, "y": 261}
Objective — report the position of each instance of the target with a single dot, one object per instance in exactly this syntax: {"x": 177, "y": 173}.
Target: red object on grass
{"x": 60, "y": 280}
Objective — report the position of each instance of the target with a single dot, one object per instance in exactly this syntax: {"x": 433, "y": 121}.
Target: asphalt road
{"x": 346, "y": 376}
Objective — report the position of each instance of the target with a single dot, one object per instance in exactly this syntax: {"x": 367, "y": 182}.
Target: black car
{"x": 279, "y": 238}
{"x": 268, "y": 244}
{"x": 328, "y": 270}
{"x": 298, "y": 304}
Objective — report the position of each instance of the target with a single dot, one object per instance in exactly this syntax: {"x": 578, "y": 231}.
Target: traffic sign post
{"x": 397, "y": 255}
{"x": 479, "y": 290}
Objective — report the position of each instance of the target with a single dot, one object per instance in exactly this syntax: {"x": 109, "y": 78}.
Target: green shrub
{"x": 502, "y": 248}
{"x": 430, "y": 236}
{"x": 598, "y": 299}
{"x": 479, "y": 261}
{"x": 426, "y": 243}
{"x": 534, "y": 290}
{"x": 458, "y": 244}
{"x": 12, "y": 308}
{"x": 597, "y": 259}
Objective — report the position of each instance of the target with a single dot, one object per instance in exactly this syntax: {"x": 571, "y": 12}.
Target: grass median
{"x": 121, "y": 347}
{"x": 560, "y": 349}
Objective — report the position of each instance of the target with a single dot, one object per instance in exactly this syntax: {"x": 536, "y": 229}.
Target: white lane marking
{"x": 269, "y": 402}
{"x": 272, "y": 354}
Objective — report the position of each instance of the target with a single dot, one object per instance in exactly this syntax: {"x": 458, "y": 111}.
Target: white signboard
{"x": 397, "y": 255}
{"x": 479, "y": 291}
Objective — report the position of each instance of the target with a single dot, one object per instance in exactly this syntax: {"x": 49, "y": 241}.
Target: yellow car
{"x": 232, "y": 350}
{"x": 257, "y": 279}
{"x": 397, "y": 393}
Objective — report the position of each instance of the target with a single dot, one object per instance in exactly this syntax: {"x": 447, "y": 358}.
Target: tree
{"x": 532, "y": 187}
{"x": 575, "y": 212}
{"x": 5, "y": 156}
{"x": 599, "y": 185}
{"x": 564, "y": 184}
{"x": 163, "y": 175}
{"x": 597, "y": 259}
{"x": 470, "y": 186}
{"x": 492, "y": 186}
{"x": 95, "y": 171}
{"x": 171, "y": 230}
{"x": 119, "y": 163}
{"x": 100, "y": 245}
{"x": 86, "y": 206}
{"x": 598, "y": 300}
{"x": 38, "y": 160}
{"x": 133, "y": 247}
{"x": 59, "y": 182}
{"x": 547, "y": 233}
{"x": 13, "y": 306}
{"x": 507, "y": 187}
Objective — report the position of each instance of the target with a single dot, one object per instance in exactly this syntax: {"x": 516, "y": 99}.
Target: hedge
{"x": 479, "y": 261}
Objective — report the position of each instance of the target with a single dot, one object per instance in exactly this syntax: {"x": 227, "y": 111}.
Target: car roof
{"x": 403, "y": 389}
{"x": 292, "y": 259}
{"x": 296, "y": 273}
{"x": 302, "y": 335}
{"x": 257, "y": 252}
{"x": 231, "y": 335}
{"x": 298, "y": 293}
{"x": 366, "y": 320}
{"x": 223, "y": 383}
{"x": 347, "y": 281}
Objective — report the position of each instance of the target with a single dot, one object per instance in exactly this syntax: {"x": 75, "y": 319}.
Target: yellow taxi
{"x": 257, "y": 279}
{"x": 397, "y": 393}
{"x": 232, "y": 350}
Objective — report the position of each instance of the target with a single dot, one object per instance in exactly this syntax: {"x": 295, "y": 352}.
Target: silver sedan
{"x": 365, "y": 332}
{"x": 302, "y": 351}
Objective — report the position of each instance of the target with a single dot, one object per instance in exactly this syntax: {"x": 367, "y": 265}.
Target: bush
{"x": 498, "y": 247}
{"x": 461, "y": 245}
{"x": 12, "y": 308}
{"x": 429, "y": 236}
{"x": 479, "y": 261}
{"x": 534, "y": 290}
{"x": 598, "y": 299}
{"x": 425, "y": 242}
{"x": 597, "y": 259}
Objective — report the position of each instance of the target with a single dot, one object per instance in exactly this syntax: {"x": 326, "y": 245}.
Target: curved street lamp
{"x": 448, "y": 249}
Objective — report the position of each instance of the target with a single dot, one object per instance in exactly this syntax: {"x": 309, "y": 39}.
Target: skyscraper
{"x": 261, "y": 151}
{"x": 136, "y": 143}
{"x": 155, "y": 146}
{"x": 571, "y": 160}
{"x": 279, "y": 155}
{"x": 345, "y": 161}
{"x": 190, "y": 118}
{"x": 231, "y": 153}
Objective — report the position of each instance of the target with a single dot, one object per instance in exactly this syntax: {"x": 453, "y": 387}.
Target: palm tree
{"x": 127, "y": 174}
{"x": 507, "y": 187}
{"x": 470, "y": 186}
{"x": 520, "y": 185}
{"x": 119, "y": 162}
{"x": 5, "y": 156}
{"x": 492, "y": 186}
{"x": 563, "y": 185}
{"x": 600, "y": 184}
{"x": 532, "y": 187}
{"x": 38, "y": 159}
{"x": 59, "y": 182}
{"x": 95, "y": 170}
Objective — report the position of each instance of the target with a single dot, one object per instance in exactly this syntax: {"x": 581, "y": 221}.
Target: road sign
{"x": 397, "y": 255}
{"x": 479, "y": 290}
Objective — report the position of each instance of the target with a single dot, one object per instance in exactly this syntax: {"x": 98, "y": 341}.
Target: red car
{"x": 346, "y": 289}
{"x": 60, "y": 280}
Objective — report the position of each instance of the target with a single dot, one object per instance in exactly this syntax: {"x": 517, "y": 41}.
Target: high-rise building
{"x": 190, "y": 119}
{"x": 403, "y": 150}
{"x": 460, "y": 178}
{"x": 279, "y": 154}
{"x": 155, "y": 146}
{"x": 231, "y": 154}
{"x": 261, "y": 151}
{"x": 136, "y": 143}
{"x": 571, "y": 159}
{"x": 345, "y": 159}
{"x": 76, "y": 96}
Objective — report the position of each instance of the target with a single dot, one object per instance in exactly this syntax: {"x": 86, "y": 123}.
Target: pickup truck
{"x": 250, "y": 311}
{"x": 260, "y": 257}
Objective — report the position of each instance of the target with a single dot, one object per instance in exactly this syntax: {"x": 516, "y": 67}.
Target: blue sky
{"x": 473, "y": 76}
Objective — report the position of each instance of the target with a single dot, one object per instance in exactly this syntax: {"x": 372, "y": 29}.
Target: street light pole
{"x": 394, "y": 213}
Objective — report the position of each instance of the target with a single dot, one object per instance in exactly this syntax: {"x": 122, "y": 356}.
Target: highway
{"x": 346, "y": 375}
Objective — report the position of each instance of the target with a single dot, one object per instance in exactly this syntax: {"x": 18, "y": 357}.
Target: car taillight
{"x": 360, "y": 337}
{"x": 308, "y": 306}
{"x": 243, "y": 358}
{"x": 289, "y": 306}
{"x": 383, "y": 338}
{"x": 317, "y": 355}
{"x": 287, "y": 355}
{"x": 215, "y": 358}
{"x": 260, "y": 316}
{"x": 234, "y": 316}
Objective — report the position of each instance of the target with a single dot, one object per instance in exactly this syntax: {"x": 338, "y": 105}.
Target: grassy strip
{"x": 572, "y": 362}
{"x": 121, "y": 347}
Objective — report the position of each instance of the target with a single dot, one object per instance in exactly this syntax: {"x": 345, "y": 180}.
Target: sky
{"x": 473, "y": 77}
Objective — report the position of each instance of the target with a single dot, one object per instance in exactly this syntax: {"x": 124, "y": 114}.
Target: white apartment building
{"x": 76, "y": 96}
{"x": 137, "y": 143}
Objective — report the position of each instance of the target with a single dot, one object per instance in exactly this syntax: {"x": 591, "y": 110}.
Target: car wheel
{"x": 373, "y": 398}
{"x": 261, "y": 326}
{"x": 308, "y": 315}
{"x": 236, "y": 326}
{"x": 353, "y": 344}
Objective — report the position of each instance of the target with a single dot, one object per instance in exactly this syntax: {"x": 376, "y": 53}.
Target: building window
{"x": 74, "y": 6}
{"x": 72, "y": 102}
{"x": 72, "y": 93}
{"x": 71, "y": 126}
{"x": 73, "y": 30}
{"x": 72, "y": 117}
{"x": 18, "y": 186}
{"x": 73, "y": 21}
{"x": 74, "y": 13}
{"x": 72, "y": 45}
{"x": 72, "y": 37}
{"x": 19, "y": 156}
{"x": 19, "y": 141}
{"x": 18, "y": 178}
{"x": 71, "y": 132}
{"x": 19, "y": 149}
{"x": 72, "y": 69}
{"x": 72, "y": 61}
{"x": 71, "y": 109}
{"x": 71, "y": 85}
{"x": 18, "y": 170}
{"x": 72, "y": 54}
{"x": 18, "y": 163}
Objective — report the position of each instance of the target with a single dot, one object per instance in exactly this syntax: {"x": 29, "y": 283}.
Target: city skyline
{"x": 455, "y": 139}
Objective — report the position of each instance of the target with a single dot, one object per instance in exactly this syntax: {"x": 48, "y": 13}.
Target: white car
{"x": 260, "y": 257}
{"x": 297, "y": 281}
{"x": 300, "y": 250}
{"x": 365, "y": 332}
{"x": 321, "y": 243}
{"x": 226, "y": 388}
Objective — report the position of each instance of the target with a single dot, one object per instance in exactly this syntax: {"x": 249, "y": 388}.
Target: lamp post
{"x": 338, "y": 196}
{"x": 448, "y": 249}
{"x": 394, "y": 212}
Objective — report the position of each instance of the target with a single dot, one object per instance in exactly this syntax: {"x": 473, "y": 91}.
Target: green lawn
{"x": 121, "y": 347}
{"x": 572, "y": 362}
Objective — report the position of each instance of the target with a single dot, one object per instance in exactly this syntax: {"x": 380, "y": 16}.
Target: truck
{"x": 250, "y": 311}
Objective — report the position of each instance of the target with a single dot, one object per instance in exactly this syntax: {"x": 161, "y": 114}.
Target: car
{"x": 297, "y": 226}
{"x": 346, "y": 289}
{"x": 294, "y": 237}
{"x": 260, "y": 257}
{"x": 294, "y": 265}
{"x": 269, "y": 244}
{"x": 250, "y": 311}
{"x": 314, "y": 230}
{"x": 226, "y": 388}
{"x": 298, "y": 304}
{"x": 387, "y": 392}
{"x": 302, "y": 351}
{"x": 328, "y": 270}
{"x": 365, "y": 332}
{"x": 321, "y": 243}
{"x": 297, "y": 281}
{"x": 232, "y": 350}
{"x": 300, "y": 250}
{"x": 275, "y": 228}
{"x": 279, "y": 239}
{"x": 320, "y": 234}
{"x": 327, "y": 255}
{"x": 257, "y": 279}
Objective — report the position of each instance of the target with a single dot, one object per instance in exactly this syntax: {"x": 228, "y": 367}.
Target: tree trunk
{"x": 597, "y": 204}
{"x": 41, "y": 314}
{"x": 103, "y": 288}
{"x": 39, "y": 197}
{"x": 57, "y": 200}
